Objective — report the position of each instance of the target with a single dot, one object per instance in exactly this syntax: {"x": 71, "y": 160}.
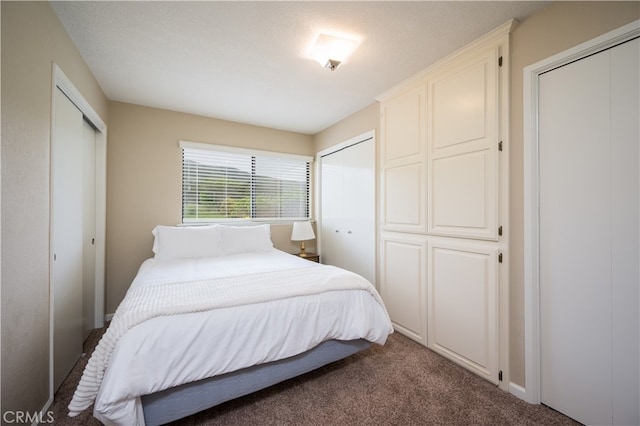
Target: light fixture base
{"x": 332, "y": 64}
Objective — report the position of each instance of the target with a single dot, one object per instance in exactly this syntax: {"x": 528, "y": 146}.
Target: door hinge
{"x": 500, "y": 375}
{"x": 499, "y": 257}
{"x": 500, "y": 230}
{"x": 500, "y": 61}
{"x": 500, "y": 146}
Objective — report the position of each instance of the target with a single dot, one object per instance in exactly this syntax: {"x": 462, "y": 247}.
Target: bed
{"x": 219, "y": 313}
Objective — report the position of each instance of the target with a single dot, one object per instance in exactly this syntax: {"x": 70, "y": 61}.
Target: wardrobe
{"x": 444, "y": 207}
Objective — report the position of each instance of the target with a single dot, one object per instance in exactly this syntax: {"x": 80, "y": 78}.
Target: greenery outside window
{"x": 222, "y": 183}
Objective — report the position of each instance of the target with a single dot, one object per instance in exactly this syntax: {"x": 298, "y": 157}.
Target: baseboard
{"x": 518, "y": 391}
{"x": 108, "y": 317}
{"x": 44, "y": 416}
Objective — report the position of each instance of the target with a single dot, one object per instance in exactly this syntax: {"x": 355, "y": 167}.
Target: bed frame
{"x": 182, "y": 401}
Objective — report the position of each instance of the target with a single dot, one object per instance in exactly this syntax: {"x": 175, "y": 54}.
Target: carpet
{"x": 400, "y": 383}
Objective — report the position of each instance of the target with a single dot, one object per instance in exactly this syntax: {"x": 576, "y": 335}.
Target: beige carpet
{"x": 401, "y": 383}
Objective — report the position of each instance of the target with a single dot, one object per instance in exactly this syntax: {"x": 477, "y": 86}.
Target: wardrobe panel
{"x": 402, "y": 284}
{"x": 404, "y": 198}
{"x": 403, "y": 130}
{"x": 462, "y": 148}
{"x": 462, "y": 296}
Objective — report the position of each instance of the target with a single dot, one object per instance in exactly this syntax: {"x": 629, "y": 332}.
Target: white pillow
{"x": 180, "y": 242}
{"x": 246, "y": 239}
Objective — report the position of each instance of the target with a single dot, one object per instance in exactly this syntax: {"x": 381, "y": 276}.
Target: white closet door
{"x": 358, "y": 229}
{"x": 625, "y": 210}
{"x": 89, "y": 229}
{"x": 66, "y": 234}
{"x": 589, "y": 185}
{"x": 348, "y": 209}
{"x": 332, "y": 209}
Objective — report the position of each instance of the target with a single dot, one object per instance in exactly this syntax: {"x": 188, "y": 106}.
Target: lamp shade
{"x": 302, "y": 231}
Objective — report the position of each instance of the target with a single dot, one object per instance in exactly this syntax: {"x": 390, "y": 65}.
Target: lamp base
{"x": 302, "y": 250}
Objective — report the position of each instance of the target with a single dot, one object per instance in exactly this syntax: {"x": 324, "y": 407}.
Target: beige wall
{"x": 553, "y": 29}
{"x": 144, "y": 167}
{"x": 365, "y": 120}
{"x": 32, "y": 38}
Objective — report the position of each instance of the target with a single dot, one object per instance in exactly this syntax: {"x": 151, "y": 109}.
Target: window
{"x": 220, "y": 183}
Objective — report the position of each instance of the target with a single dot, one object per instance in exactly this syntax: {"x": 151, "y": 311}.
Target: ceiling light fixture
{"x": 331, "y": 50}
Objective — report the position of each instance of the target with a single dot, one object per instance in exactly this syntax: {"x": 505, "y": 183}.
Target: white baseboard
{"x": 108, "y": 317}
{"x": 518, "y": 391}
{"x": 44, "y": 416}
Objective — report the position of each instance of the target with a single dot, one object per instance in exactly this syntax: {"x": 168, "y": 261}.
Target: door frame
{"x": 531, "y": 192}
{"x": 62, "y": 82}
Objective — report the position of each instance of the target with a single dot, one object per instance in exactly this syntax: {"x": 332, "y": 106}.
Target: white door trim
{"x": 61, "y": 81}
{"x": 531, "y": 194}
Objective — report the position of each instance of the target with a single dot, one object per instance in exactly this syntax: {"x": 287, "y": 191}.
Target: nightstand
{"x": 310, "y": 256}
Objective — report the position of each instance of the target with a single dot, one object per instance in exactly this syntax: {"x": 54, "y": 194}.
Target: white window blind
{"x": 232, "y": 183}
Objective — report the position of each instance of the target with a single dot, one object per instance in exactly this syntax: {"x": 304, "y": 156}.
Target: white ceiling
{"x": 245, "y": 61}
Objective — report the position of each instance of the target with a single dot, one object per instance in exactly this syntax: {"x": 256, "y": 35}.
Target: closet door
{"x": 348, "y": 209}
{"x": 358, "y": 227}
{"x": 66, "y": 235}
{"x": 88, "y": 229}
{"x": 589, "y": 228}
{"x": 333, "y": 249}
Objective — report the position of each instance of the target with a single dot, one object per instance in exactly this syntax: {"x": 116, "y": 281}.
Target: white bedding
{"x": 170, "y": 350}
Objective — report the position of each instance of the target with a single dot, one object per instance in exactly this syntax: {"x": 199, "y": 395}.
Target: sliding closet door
{"x": 88, "y": 229}
{"x": 66, "y": 235}
{"x": 589, "y": 190}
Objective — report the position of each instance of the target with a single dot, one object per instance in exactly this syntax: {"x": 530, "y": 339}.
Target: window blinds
{"x": 231, "y": 183}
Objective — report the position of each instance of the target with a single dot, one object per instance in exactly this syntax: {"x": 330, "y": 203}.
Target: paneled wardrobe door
{"x": 403, "y": 157}
{"x": 462, "y": 141}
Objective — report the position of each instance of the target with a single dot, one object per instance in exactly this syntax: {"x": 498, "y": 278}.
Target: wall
{"x": 32, "y": 39}
{"x": 144, "y": 179}
{"x": 553, "y": 29}
{"x": 356, "y": 124}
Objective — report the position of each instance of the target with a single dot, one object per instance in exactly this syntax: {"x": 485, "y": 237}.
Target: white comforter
{"x": 295, "y": 305}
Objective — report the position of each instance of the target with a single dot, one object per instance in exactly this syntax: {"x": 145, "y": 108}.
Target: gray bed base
{"x": 185, "y": 400}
